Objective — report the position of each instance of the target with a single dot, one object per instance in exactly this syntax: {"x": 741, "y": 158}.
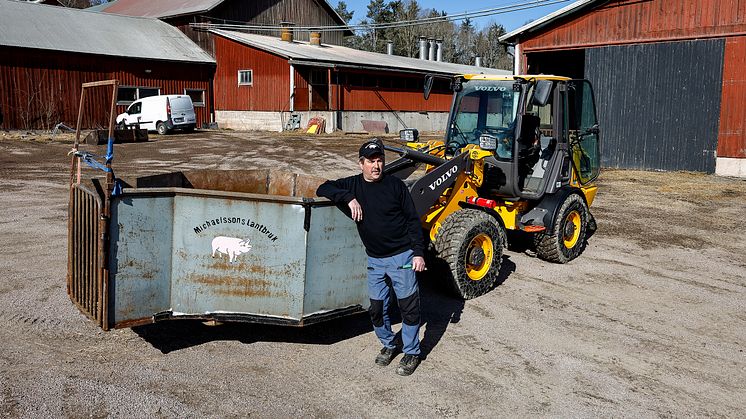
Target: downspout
{"x": 292, "y": 88}
{"x": 517, "y": 58}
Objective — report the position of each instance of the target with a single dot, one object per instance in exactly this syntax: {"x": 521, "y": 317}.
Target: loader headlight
{"x": 488, "y": 142}
{"x": 409, "y": 135}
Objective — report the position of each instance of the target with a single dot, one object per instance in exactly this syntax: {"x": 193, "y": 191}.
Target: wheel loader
{"x": 520, "y": 155}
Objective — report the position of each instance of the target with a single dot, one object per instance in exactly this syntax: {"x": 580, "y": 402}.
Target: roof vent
{"x": 286, "y": 33}
{"x": 315, "y": 38}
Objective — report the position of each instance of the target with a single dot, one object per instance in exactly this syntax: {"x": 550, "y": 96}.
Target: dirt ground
{"x": 648, "y": 322}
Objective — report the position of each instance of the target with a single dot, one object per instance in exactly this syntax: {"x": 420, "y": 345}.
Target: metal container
{"x": 217, "y": 245}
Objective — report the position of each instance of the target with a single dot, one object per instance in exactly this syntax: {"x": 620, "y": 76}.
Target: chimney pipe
{"x": 439, "y": 53}
{"x": 315, "y": 38}
{"x": 423, "y": 48}
{"x": 478, "y": 61}
{"x": 286, "y": 34}
{"x": 390, "y": 47}
{"x": 431, "y": 52}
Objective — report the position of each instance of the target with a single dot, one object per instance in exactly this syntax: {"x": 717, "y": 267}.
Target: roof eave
{"x": 542, "y": 22}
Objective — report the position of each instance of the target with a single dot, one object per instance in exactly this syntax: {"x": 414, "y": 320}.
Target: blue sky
{"x": 510, "y": 20}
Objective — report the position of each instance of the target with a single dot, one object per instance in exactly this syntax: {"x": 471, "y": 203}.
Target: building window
{"x": 245, "y": 77}
{"x": 197, "y": 95}
{"x": 129, "y": 94}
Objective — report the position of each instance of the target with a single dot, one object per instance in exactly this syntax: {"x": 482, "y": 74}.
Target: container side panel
{"x": 140, "y": 262}
{"x": 238, "y": 256}
{"x": 658, "y": 104}
{"x": 336, "y": 269}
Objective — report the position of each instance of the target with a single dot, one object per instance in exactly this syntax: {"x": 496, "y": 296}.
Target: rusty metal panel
{"x": 84, "y": 276}
{"x": 634, "y": 21}
{"x": 658, "y": 104}
{"x": 335, "y": 272}
{"x": 141, "y": 232}
{"x": 732, "y": 134}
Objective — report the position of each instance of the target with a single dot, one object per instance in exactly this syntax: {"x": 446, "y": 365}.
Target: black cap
{"x": 371, "y": 148}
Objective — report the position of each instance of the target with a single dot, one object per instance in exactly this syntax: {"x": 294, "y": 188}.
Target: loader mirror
{"x": 428, "y": 85}
{"x": 542, "y": 92}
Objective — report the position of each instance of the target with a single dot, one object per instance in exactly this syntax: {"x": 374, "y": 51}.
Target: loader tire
{"x": 471, "y": 243}
{"x": 567, "y": 237}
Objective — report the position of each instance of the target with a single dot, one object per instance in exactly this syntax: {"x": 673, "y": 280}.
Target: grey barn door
{"x": 658, "y": 104}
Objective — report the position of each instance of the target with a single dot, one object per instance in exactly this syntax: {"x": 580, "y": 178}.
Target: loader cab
{"x": 540, "y": 130}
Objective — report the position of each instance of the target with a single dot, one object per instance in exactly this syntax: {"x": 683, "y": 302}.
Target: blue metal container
{"x": 231, "y": 246}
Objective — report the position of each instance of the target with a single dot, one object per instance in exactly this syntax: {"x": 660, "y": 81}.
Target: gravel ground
{"x": 648, "y": 322}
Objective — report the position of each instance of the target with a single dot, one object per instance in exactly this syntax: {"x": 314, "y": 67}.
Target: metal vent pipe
{"x": 439, "y": 53}
{"x": 423, "y": 48}
{"x": 390, "y": 47}
{"x": 478, "y": 61}
{"x": 431, "y": 53}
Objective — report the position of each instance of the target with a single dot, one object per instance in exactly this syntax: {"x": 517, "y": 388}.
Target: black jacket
{"x": 390, "y": 224}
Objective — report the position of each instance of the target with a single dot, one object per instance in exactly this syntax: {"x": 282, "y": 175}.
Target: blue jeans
{"x": 398, "y": 269}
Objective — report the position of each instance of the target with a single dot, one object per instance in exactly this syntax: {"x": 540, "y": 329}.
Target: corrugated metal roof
{"x": 172, "y": 8}
{"x": 160, "y": 8}
{"x": 304, "y": 53}
{"x": 55, "y": 28}
{"x": 546, "y": 20}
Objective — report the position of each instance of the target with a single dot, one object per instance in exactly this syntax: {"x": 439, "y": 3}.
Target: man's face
{"x": 372, "y": 168}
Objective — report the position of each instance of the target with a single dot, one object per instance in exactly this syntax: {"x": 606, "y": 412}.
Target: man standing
{"x": 391, "y": 233}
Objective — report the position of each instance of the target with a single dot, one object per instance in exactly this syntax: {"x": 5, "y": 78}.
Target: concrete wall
{"x": 345, "y": 121}
{"x": 725, "y": 166}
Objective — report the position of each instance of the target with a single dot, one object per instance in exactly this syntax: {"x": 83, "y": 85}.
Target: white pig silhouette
{"x": 231, "y": 246}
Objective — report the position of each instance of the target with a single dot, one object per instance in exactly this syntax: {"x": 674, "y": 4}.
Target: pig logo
{"x": 231, "y": 246}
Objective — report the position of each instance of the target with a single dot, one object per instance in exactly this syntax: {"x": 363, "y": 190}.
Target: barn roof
{"x": 28, "y": 25}
{"x": 173, "y": 8}
{"x": 548, "y": 19}
{"x": 303, "y": 53}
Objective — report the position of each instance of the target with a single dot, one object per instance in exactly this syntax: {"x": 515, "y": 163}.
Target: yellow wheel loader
{"x": 520, "y": 155}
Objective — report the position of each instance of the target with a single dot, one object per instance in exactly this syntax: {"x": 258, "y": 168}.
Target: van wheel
{"x": 471, "y": 243}
{"x": 569, "y": 232}
{"x": 161, "y": 128}
{"x": 122, "y": 125}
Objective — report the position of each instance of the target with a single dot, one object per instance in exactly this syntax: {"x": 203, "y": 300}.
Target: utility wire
{"x": 398, "y": 24}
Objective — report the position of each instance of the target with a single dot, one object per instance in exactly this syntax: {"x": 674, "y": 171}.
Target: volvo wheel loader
{"x": 520, "y": 154}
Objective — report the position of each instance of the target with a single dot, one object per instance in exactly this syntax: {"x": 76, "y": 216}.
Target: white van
{"x": 160, "y": 113}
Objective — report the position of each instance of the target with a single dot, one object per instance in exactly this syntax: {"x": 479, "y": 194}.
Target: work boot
{"x": 408, "y": 364}
{"x": 386, "y": 356}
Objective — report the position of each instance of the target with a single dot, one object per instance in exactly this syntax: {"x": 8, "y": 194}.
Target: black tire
{"x": 122, "y": 125}
{"x": 471, "y": 243}
{"x": 568, "y": 235}
{"x": 162, "y": 128}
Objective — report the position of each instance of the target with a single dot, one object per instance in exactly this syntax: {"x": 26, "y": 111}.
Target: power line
{"x": 530, "y": 4}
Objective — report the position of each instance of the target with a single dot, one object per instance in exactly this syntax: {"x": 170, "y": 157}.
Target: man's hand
{"x": 418, "y": 263}
{"x": 356, "y": 211}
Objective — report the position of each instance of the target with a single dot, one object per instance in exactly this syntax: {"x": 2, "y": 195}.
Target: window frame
{"x": 251, "y": 77}
{"x": 137, "y": 93}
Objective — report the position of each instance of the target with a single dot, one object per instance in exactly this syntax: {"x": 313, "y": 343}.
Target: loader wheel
{"x": 161, "y": 128}
{"x": 471, "y": 243}
{"x": 568, "y": 233}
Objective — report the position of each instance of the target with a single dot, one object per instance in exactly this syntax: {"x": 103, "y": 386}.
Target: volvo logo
{"x": 445, "y": 176}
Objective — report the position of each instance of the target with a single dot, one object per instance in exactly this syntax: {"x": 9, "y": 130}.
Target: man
{"x": 391, "y": 233}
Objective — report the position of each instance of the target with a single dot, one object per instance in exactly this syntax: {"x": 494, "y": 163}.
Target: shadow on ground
{"x": 439, "y": 306}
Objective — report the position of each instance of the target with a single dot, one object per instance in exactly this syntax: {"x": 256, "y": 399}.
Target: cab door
{"x": 583, "y": 131}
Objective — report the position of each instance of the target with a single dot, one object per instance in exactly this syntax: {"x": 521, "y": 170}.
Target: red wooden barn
{"x": 47, "y": 52}
{"x": 668, "y": 77}
{"x": 261, "y": 81}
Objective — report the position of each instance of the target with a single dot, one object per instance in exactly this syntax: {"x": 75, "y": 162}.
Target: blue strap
{"x": 110, "y": 150}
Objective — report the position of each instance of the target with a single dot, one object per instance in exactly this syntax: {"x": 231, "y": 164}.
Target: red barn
{"x": 47, "y": 52}
{"x": 261, "y": 81}
{"x": 668, "y": 77}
